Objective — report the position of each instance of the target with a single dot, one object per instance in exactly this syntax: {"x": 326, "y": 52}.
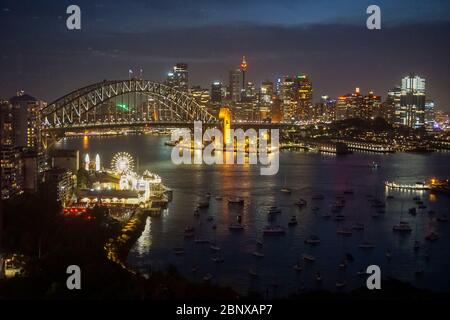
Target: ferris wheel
{"x": 122, "y": 162}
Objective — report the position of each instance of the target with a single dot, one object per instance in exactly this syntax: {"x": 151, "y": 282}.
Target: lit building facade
{"x": 288, "y": 94}
{"x": 26, "y": 120}
{"x": 349, "y": 106}
{"x": 412, "y": 102}
{"x": 371, "y": 107}
{"x": 179, "y": 77}
{"x": 201, "y": 95}
{"x": 216, "y": 92}
{"x": 304, "y": 96}
{"x": 235, "y": 85}
{"x": 325, "y": 110}
{"x": 391, "y": 107}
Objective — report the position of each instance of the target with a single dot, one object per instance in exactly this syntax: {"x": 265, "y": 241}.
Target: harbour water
{"x": 307, "y": 174}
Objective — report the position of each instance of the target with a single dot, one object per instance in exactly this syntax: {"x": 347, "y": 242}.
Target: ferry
{"x": 416, "y": 186}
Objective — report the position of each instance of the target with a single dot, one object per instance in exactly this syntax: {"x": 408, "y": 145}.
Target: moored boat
{"x": 273, "y": 230}
{"x": 309, "y": 258}
{"x": 312, "y": 240}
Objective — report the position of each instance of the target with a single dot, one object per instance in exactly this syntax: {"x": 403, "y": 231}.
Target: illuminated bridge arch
{"x": 80, "y": 107}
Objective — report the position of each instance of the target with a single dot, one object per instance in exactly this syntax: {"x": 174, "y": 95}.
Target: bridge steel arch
{"x": 73, "y": 108}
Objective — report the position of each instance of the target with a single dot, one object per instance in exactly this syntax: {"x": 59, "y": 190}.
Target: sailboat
{"x": 285, "y": 189}
{"x": 402, "y": 226}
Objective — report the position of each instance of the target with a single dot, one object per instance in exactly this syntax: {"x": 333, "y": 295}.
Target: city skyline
{"x": 334, "y": 47}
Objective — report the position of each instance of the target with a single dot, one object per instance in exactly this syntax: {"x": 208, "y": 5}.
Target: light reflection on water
{"x": 307, "y": 174}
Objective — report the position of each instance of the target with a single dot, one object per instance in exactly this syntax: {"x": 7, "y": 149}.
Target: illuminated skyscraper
{"x": 391, "y": 107}
{"x": 412, "y": 102}
{"x": 288, "y": 98}
{"x": 26, "y": 120}
{"x": 430, "y": 108}
{"x": 179, "y": 77}
{"x": 325, "y": 110}
{"x": 349, "y": 106}
{"x": 266, "y": 92}
{"x": 235, "y": 85}
{"x": 304, "y": 97}
{"x": 216, "y": 92}
{"x": 201, "y": 95}
{"x": 11, "y": 165}
{"x": 371, "y": 107}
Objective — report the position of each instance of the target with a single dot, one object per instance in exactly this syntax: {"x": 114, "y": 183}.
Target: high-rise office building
{"x": 201, "y": 95}
{"x": 391, "y": 107}
{"x": 26, "y": 121}
{"x": 11, "y": 171}
{"x": 430, "y": 109}
{"x": 349, "y": 106}
{"x": 216, "y": 92}
{"x": 266, "y": 92}
{"x": 235, "y": 85}
{"x": 288, "y": 94}
{"x": 250, "y": 94}
{"x": 371, "y": 107}
{"x": 6, "y": 123}
{"x": 325, "y": 110}
{"x": 304, "y": 97}
{"x": 179, "y": 77}
{"x": 412, "y": 102}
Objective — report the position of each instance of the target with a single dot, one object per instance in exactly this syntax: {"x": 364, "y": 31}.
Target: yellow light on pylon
{"x": 225, "y": 116}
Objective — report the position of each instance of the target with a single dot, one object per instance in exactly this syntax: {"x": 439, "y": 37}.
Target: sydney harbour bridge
{"x": 107, "y": 104}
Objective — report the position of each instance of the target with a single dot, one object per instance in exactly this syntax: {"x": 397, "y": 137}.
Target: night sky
{"x": 328, "y": 40}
